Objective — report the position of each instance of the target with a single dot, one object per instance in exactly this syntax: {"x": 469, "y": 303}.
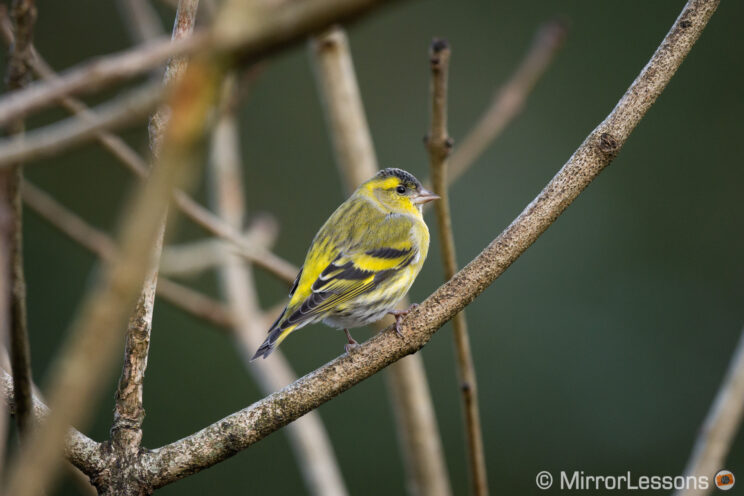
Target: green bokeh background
{"x": 599, "y": 350}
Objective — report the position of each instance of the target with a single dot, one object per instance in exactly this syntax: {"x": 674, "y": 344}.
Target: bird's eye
{"x": 400, "y": 189}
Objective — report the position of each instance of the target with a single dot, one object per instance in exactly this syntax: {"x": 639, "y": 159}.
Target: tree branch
{"x": 78, "y": 375}
{"x": 509, "y": 100}
{"x": 248, "y": 426}
{"x": 344, "y": 109}
{"x": 23, "y": 15}
{"x": 60, "y": 136}
{"x": 718, "y": 432}
{"x": 307, "y": 436}
{"x": 439, "y": 145}
{"x": 240, "y": 36}
{"x": 80, "y": 450}
{"x": 256, "y": 254}
{"x": 141, "y": 19}
{"x": 212, "y": 224}
{"x": 126, "y": 430}
{"x": 101, "y": 245}
{"x": 355, "y": 157}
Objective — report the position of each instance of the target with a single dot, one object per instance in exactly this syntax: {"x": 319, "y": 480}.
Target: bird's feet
{"x": 351, "y": 345}
{"x": 399, "y": 314}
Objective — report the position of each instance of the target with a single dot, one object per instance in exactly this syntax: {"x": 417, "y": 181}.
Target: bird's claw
{"x": 399, "y": 315}
{"x": 351, "y": 344}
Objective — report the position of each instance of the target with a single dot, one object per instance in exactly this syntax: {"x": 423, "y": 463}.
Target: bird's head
{"x": 398, "y": 191}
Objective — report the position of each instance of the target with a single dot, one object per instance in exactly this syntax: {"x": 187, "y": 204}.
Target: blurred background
{"x": 599, "y": 350}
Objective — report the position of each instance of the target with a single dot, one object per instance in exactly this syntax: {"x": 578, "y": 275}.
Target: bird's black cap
{"x": 400, "y": 174}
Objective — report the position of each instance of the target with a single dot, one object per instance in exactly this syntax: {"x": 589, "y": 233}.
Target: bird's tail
{"x": 276, "y": 336}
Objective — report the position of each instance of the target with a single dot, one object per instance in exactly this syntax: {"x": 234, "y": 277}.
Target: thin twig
{"x": 240, "y": 36}
{"x": 192, "y": 209}
{"x": 93, "y": 76}
{"x": 509, "y": 100}
{"x": 23, "y": 17}
{"x": 126, "y": 430}
{"x": 4, "y": 319}
{"x": 183, "y": 27}
{"x": 50, "y": 140}
{"x": 439, "y": 144}
{"x": 718, "y": 432}
{"x": 259, "y": 256}
{"x": 308, "y": 437}
{"x": 79, "y": 374}
{"x": 255, "y": 253}
{"x": 236, "y": 432}
{"x": 196, "y": 304}
{"x": 141, "y": 19}
{"x": 194, "y": 257}
{"x": 100, "y": 244}
{"x": 355, "y": 157}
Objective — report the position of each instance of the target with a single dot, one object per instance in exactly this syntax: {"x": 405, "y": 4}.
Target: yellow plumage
{"x": 362, "y": 261}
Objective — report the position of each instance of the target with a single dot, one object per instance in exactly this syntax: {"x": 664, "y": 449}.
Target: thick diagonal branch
{"x": 439, "y": 144}
{"x": 355, "y": 157}
{"x": 248, "y": 426}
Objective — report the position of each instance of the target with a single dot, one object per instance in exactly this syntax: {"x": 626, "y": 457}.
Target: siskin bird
{"x": 362, "y": 261}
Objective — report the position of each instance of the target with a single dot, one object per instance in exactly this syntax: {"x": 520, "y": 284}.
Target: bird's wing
{"x": 368, "y": 255}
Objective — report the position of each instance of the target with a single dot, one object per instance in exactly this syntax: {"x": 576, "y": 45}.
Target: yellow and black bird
{"x": 362, "y": 261}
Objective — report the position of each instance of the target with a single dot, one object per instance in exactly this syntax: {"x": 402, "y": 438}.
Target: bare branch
{"x": 183, "y": 28}
{"x": 141, "y": 19}
{"x": 344, "y": 110}
{"x": 439, "y": 144}
{"x": 416, "y": 425}
{"x": 721, "y": 424}
{"x": 239, "y": 35}
{"x": 355, "y": 157}
{"x": 253, "y": 252}
{"x": 82, "y": 451}
{"x": 101, "y": 245}
{"x": 307, "y": 436}
{"x": 248, "y": 426}
{"x": 92, "y": 76}
{"x": 54, "y": 138}
{"x": 23, "y": 15}
{"x": 126, "y": 430}
{"x": 195, "y": 303}
{"x": 79, "y": 373}
{"x": 509, "y": 100}
{"x": 192, "y": 209}
{"x": 4, "y": 319}
{"x": 195, "y": 257}
{"x": 82, "y": 480}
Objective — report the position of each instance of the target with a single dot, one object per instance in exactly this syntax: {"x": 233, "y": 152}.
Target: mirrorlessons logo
{"x": 578, "y": 481}
{"x": 724, "y": 480}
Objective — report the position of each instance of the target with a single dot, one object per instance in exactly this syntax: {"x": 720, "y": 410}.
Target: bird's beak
{"x": 424, "y": 196}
